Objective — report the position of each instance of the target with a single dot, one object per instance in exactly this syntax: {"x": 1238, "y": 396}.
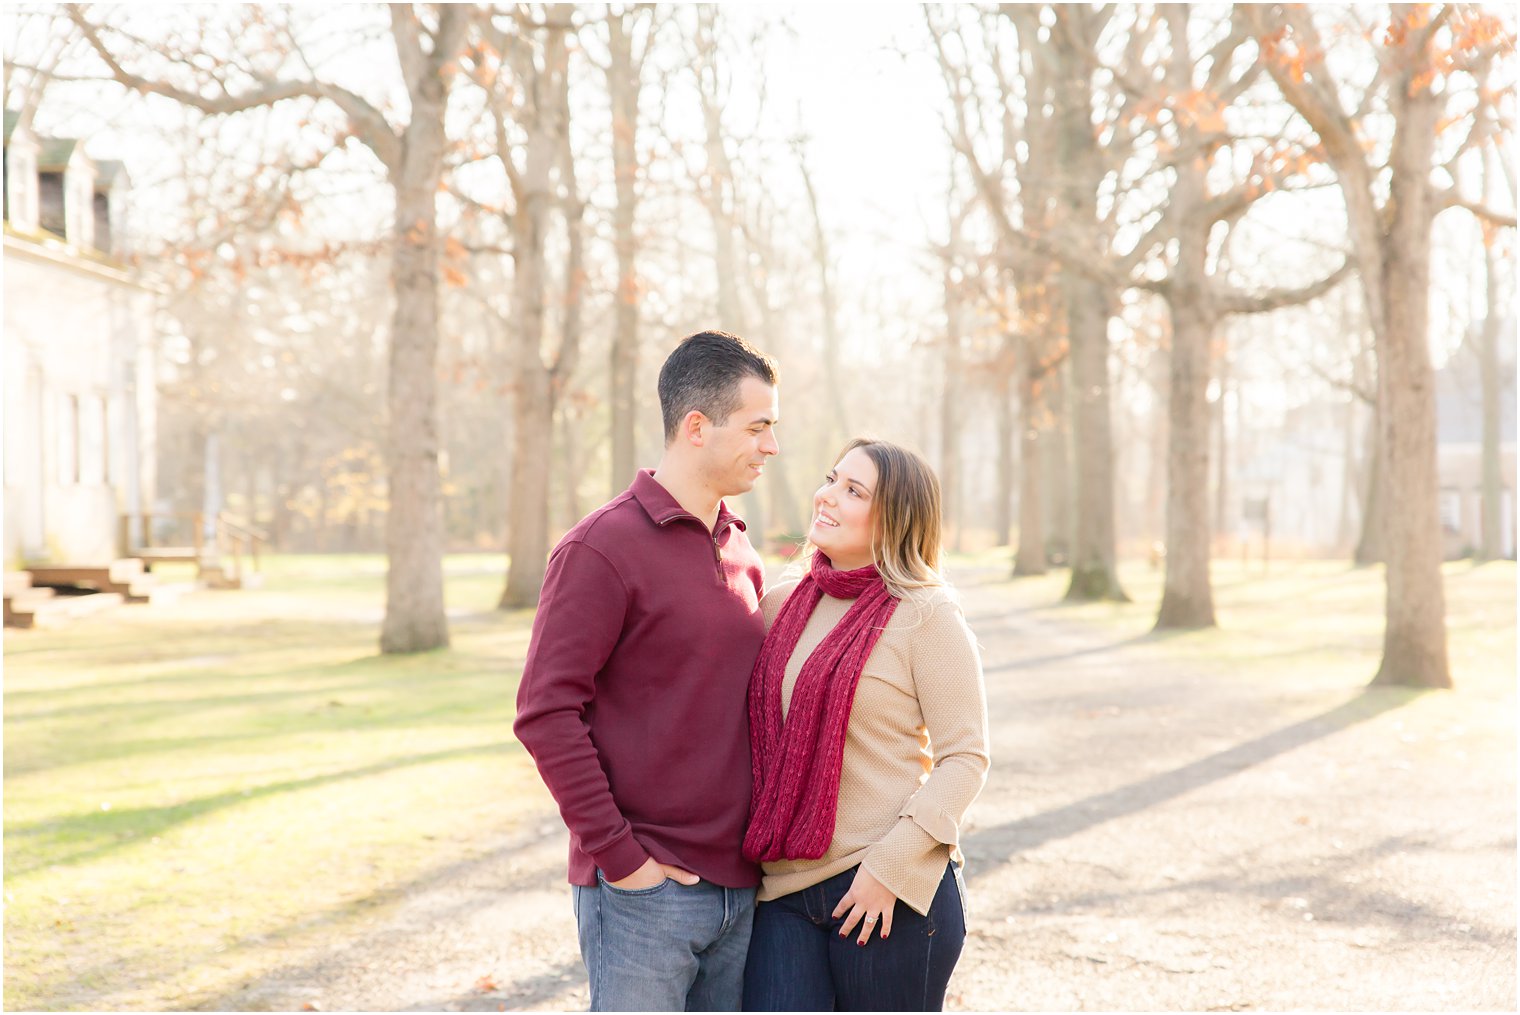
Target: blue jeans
{"x": 672, "y": 947}
{"x": 798, "y": 961}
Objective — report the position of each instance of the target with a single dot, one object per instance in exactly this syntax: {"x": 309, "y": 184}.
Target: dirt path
{"x": 1150, "y": 838}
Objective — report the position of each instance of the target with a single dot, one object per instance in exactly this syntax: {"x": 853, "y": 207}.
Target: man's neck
{"x": 694, "y": 496}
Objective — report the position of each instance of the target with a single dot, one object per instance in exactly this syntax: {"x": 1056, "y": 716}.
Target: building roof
{"x": 54, "y": 153}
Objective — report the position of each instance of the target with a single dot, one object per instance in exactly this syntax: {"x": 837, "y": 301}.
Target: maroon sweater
{"x": 632, "y": 701}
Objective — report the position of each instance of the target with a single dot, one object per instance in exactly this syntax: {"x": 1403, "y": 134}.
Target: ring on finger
{"x": 871, "y": 919}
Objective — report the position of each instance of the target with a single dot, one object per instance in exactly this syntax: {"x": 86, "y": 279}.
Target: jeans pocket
{"x": 631, "y": 893}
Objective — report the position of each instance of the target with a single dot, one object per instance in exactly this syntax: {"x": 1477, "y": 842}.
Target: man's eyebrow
{"x": 764, "y": 419}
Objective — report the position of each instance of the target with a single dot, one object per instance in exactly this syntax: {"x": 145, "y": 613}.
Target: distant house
{"x": 1459, "y": 415}
{"x": 1293, "y": 480}
{"x": 79, "y": 397}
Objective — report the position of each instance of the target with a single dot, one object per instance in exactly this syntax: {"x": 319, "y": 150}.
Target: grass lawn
{"x": 198, "y": 793}
{"x": 1289, "y": 616}
{"x": 194, "y": 791}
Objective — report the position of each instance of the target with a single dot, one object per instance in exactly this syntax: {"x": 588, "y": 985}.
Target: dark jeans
{"x": 798, "y": 961}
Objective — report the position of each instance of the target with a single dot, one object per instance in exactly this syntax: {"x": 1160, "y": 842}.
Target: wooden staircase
{"x": 218, "y": 561}
{"x": 45, "y": 595}
{"x": 33, "y": 605}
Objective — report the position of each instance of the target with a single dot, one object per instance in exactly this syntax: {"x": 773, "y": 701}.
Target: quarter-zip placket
{"x": 713, "y": 538}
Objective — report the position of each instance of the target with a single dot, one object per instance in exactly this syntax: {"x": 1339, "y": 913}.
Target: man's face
{"x": 734, "y": 454}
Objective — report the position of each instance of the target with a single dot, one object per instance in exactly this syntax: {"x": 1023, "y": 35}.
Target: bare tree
{"x": 1069, "y": 41}
{"x": 629, "y": 35}
{"x": 427, "y": 41}
{"x": 529, "y": 90}
{"x": 839, "y": 422}
{"x": 1422, "y": 54}
{"x": 1196, "y": 95}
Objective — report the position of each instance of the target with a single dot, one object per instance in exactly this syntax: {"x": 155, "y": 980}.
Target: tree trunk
{"x": 838, "y": 419}
{"x": 1093, "y": 570}
{"x": 623, "y": 83}
{"x": 1491, "y": 543}
{"x": 414, "y": 608}
{"x": 1093, "y": 573}
{"x": 1414, "y": 639}
{"x": 1155, "y": 473}
{"x": 1369, "y": 546}
{"x": 1056, "y": 455}
{"x": 1221, "y": 455}
{"x": 1029, "y": 559}
{"x": 1007, "y": 421}
{"x": 949, "y": 399}
{"x": 537, "y": 384}
{"x": 1188, "y": 599}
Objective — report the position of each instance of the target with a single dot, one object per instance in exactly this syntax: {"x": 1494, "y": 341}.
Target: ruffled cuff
{"x": 909, "y": 861}
{"x": 933, "y": 820}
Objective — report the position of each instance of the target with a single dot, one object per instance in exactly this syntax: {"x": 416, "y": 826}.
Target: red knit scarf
{"x": 796, "y": 765}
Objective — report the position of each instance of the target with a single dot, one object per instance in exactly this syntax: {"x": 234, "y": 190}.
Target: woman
{"x": 868, "y": 722}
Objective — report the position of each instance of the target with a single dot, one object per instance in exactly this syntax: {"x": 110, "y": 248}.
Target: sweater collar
{"x": 664, "y": 509}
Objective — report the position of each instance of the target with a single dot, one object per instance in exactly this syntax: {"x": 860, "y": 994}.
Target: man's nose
{"x": 769, "y": 445}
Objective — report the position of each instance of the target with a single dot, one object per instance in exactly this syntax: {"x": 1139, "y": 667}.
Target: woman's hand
{"x": 868, "y": 902}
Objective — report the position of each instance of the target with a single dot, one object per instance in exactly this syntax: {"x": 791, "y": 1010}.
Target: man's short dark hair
{"x": 704, "y": 373}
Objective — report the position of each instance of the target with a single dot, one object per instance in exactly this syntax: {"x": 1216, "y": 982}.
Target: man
{"x": 633, "y": 698}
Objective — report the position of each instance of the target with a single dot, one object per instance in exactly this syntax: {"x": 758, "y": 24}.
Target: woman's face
{"x": 842, "y": 510}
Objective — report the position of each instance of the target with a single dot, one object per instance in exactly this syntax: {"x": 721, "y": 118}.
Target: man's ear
{"x": 694, "y": 428}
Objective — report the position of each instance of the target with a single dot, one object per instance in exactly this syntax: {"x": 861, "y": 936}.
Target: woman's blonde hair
{"x": 906, "y": 517}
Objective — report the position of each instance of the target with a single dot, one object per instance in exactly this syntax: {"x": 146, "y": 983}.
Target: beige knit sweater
{"x": 915, "y": 752}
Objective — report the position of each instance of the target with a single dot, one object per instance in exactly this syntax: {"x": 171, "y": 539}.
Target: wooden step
{"x": 41, "y": 608}
{"x": 125, "y": 577}
{"x": 16, "y": 582}
{"x": 163, "y": 554}
{"x": 22, "y": 606}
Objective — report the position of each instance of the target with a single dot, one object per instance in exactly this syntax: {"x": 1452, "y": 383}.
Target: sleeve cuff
{"x": 621, "y": 858}
{"x": 909, "y": 862}
{"x": 933, "y": 820}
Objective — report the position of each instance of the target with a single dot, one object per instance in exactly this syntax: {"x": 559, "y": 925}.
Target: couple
{"x": 703, "y": 735}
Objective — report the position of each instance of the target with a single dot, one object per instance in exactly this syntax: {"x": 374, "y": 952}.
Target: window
{"x": 50, "y": 193}
{"x": 102, "y": 210}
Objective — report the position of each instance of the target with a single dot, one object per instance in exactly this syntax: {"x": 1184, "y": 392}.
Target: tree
{"x": 625, "y": 72}
{"x": 1196, "y": 96}
{"x": 1422, "y": 54}
{"x": 412, "y": 156}
{"x": 525, "y": 71}
{"x": 1069, "y": 40}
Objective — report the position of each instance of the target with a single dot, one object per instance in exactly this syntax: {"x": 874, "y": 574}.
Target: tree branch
{"x": 366, "y": 121}
{"x": 1449, "y": 198}
{"x": 1231, "y": 301}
